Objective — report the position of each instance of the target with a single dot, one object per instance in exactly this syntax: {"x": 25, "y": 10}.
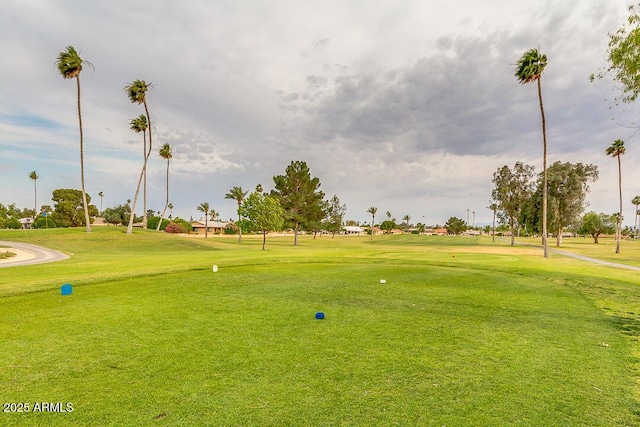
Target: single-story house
{"x": 213, "y": 227}
{"x": 354, "y": 230}
{"x": 435, "y": 231}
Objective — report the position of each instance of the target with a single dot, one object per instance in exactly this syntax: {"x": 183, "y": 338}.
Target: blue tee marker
{"x": 320, "y": 315}
{"x": 66, "y": 289}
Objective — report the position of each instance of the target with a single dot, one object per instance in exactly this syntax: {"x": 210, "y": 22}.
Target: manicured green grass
{"x": 464, "y": 332}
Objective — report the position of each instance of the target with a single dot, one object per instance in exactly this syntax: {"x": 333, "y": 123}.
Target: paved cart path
{"x": 27, "y": 254}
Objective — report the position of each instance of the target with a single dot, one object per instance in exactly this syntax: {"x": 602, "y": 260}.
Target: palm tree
{"x": 529, "y": 69}
{"x": 101, "y": 194}
{"x": 204, "y": 207}
{"x": 494, "y": 208}
{"x": 372, "y": 210}
{"x": 406, "y": 218}
{"x": 636, "y": 202}
{"x": 69, "y": 64}
{"x": 166, "y": 153}
{"x": 34, "y": 176}
{"x": 136, "y": 91}
{"x": 616, "y": 150}
{"x": 237, "y": 194}
{"x": 140, "y": 124}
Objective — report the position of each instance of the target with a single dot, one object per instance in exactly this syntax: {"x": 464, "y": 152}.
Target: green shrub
{"x": 13, "y": 224}
{"x": 184, "y": 224}
{"x": 152, "y": 223}
{"x": 42, "y": 222}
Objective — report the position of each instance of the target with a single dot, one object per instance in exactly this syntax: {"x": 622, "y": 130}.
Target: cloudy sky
{"x": 409, "y": 106}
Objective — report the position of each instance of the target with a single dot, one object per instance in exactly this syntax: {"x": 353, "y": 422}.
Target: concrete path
{"x": 27, "y": 254}
{"x": 595, "y": 260}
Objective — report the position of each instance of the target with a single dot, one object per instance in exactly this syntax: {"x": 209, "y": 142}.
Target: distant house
{"x": 26, "y": 222}
{"x": 436, "y": 232}
{"x": 213, "y": 227}
{"x": 354, "y": 230}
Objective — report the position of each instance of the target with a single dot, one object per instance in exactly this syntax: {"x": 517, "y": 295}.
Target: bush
{"x": 152, "y": 223}
{"x": 13, "y": 224}
{"x": 174, "y": 228}
{"x": 184, "y": 224}
{"x": 42, "y": 222}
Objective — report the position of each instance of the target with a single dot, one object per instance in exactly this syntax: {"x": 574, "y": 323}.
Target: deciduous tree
{"x": 264, "y": 212}
{"x": 513, "y": 188}
{"x": 596, "y": 224}
{"x": 335, "y": 216}
{"x": 623, "y": 55}
{"x": 568, "y": 186}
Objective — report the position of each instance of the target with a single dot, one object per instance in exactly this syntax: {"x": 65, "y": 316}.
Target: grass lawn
{"x": 463, "y": 333}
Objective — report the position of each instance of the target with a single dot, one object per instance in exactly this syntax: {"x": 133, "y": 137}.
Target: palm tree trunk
{"x": 135, "y": 200}
{"x": 373, "y": 221}
{"x": 544, "y": 174}
{"x": 166, "y": 201}
{"x": 493, "y": 228}
{"x": 35, "y": 199}
{"x": 148, "y": 154}
{"x": 239, "y": 227}
{"x": 84, "y": 193}
{"x": 619, "y": 225}
{"x": 635, "y": 226}
{"x": 144, "y": 185}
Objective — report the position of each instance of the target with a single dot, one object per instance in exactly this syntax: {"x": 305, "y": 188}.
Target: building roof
{"x": 210, "y": 224}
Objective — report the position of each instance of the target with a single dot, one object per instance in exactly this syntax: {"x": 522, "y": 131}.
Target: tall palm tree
{"x": 372, "y": 210}
{"x": 34, "y": 176}
{"x": 167, "y": 154}
{"x": 636, "y": 202}
{"x": 137, "y": 93}
{"x": 616, "y": 150}
{"x": 101, "y": 194}
{"x": 237, "y": 194}
{"x": 69, "y": 64}
{"x": 140, "y": 125}
{"x": 204, "y": 207}
{"x": 529, "y": 69}
{"x": 494, "y": 208}
{"x": 406, "y": 218}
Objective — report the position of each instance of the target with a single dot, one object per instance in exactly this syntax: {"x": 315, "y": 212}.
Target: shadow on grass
{"x": 627, "y": 324}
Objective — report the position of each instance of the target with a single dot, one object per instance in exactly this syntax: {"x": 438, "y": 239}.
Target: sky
{"x": 407, "y": 106}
